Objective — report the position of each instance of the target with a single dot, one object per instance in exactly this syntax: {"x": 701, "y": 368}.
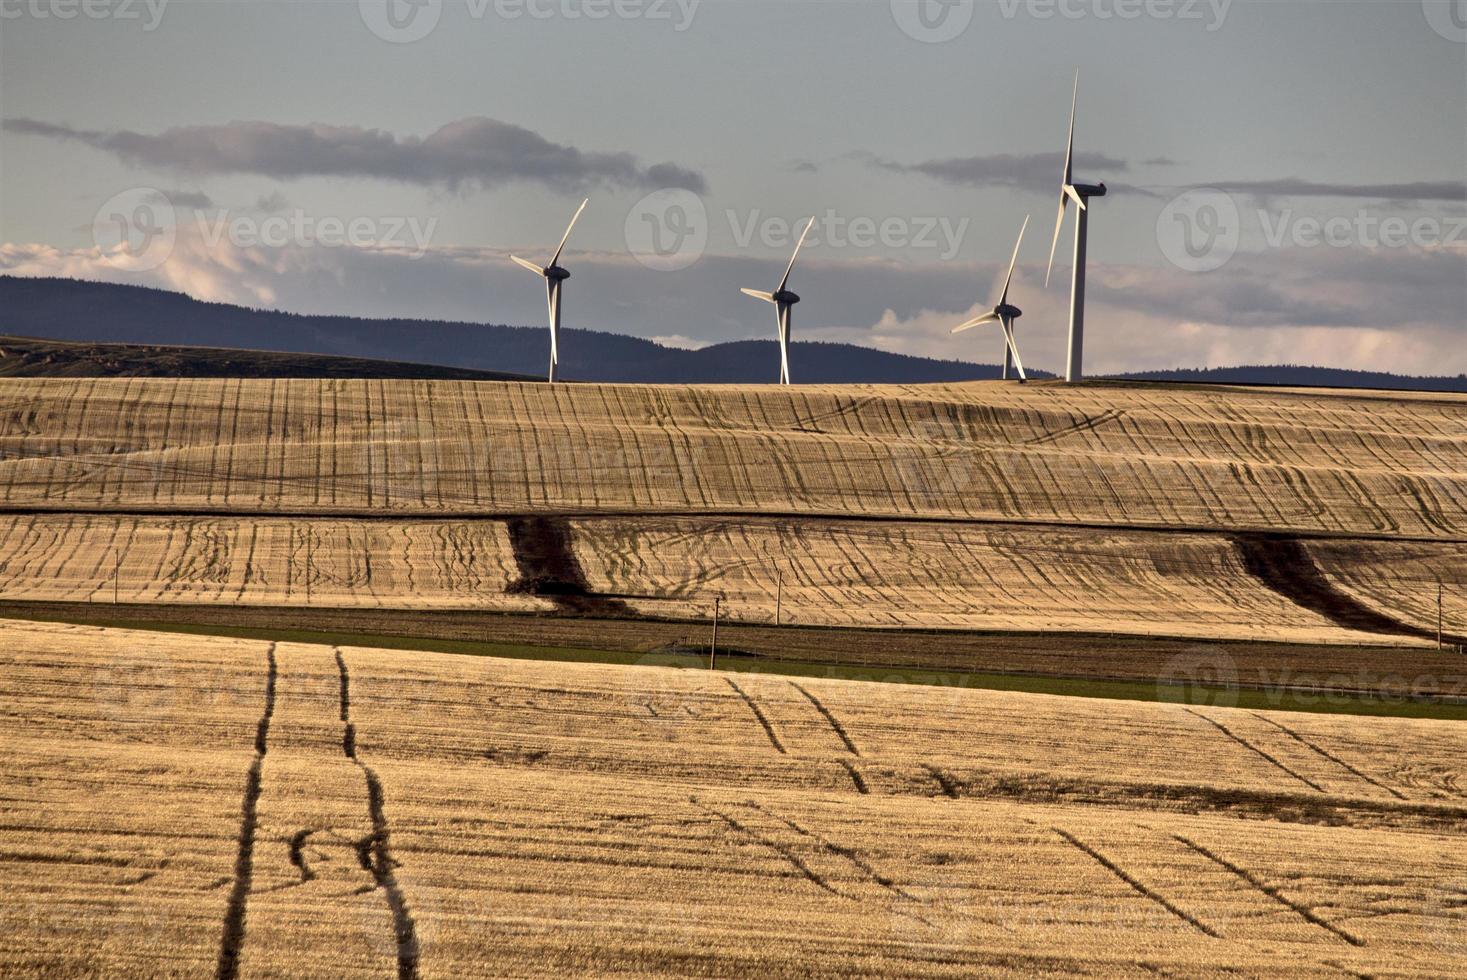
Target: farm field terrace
{"x": 1143, "y": 510}
{"x": 177, "y": 805}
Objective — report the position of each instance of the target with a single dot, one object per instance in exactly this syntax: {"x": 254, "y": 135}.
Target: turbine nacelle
{"x": 783, "y": 300}
{"x": 555, "y": 276}
{"x": 1004, "y": 314}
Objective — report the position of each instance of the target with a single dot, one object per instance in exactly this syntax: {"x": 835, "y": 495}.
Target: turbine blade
{"x": 1075, "y": 196}
{"x": 785, "y": 281}
{"x": 1008, "y": 334}
{"x": 1059, "y": 225}
{"x": 565, "y": 238}
{"x": 1070, "y": 147}
{"x": 552, "y": 296}
{"x": 758, "y": 294}
{"x": 988, "y": 317}
{"x": 1008, "y": 280}
{"x": 527, "y": 264}
{"x": 784, "y": 342}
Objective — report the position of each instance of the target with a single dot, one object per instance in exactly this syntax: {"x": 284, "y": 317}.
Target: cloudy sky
{"x": 1286, "y": 178}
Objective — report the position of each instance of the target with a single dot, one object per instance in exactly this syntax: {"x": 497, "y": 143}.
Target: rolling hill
{"x": 97, "y": 314}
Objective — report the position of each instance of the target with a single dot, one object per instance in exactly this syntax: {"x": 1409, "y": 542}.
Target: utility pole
{"x": 778, "y": 598}
{"x": 713, "y": 650}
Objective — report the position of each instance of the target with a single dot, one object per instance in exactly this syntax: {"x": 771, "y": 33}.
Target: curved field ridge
{"x": 441, "y": 816}
{"x": 1106, "y": 454}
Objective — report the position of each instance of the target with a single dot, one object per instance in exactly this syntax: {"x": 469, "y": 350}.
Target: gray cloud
{"x": 1038, "y": 172}
{"x": 1405, "y": 193}
{"x": 189, "y": 199}
{"x": 472, "y": 152}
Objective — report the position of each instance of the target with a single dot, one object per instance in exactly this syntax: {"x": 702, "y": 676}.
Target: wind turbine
{"x": 555, "y": 278}
{"x": 1081, "y": 195}
{"x": 784, "y": 301}
{"x": 1005, "y": 313}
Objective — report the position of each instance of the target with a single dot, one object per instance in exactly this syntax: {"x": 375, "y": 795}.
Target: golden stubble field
{"x": 185, "y": 806}
{"x": 1144, "y": 510}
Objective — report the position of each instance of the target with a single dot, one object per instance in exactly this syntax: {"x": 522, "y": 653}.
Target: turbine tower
{"x": 1005, "y": 313}
{"x": 555, "y": 278}
{"x": 1081, "y": 195}
{"x": 784, "y": 301}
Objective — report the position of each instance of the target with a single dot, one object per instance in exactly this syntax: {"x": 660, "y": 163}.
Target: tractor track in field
{"x": 374, "y": 851}
{"x": 857, "y": 779}
{"x": 945, "y": 781}
{"x": 1230, "y": 734}
{"x": 1330, "y": 756}
{"x": 835, "y": 725}
{"x": 1138, "y": 886}
{"x": 762, "y": 718}
{"x": 232, "y": 941}
{"x": 1303, "y": 911}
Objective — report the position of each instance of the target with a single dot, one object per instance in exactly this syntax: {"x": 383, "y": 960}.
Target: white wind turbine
{"x": 1080, "y": 194}
{"x": 554, "y": 277}
{"x": 1005, "y": 313}
{"x": 784, "y": 301}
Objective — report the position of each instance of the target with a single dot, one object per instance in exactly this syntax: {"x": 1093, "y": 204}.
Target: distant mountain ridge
{"x": 108, "y": 313}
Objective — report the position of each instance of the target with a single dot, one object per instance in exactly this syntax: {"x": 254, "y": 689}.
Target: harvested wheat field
{"x": 1310, "y": 517}
{"x": 178, "y": 806}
